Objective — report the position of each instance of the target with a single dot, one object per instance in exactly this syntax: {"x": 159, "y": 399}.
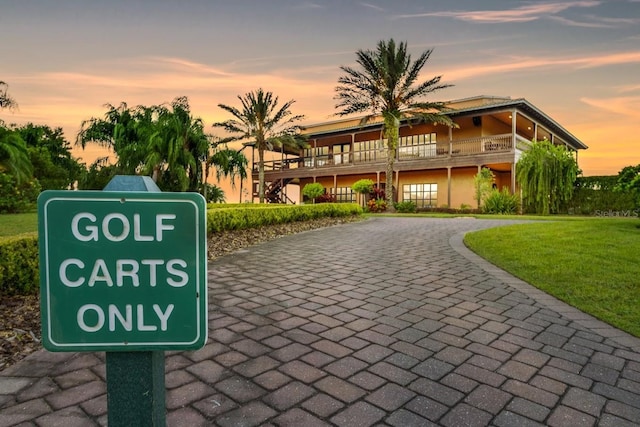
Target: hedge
{"x": 240, "y": 218}
{"x": 19, "y": 253}
{"x": 19, "y": 264}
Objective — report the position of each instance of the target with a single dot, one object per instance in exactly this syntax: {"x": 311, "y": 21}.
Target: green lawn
{"x": 592, "y": 264}
{"x": 11, "y": 224}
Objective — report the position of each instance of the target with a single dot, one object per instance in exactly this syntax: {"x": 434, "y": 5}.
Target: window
{"x": 341, "y": 154}
{"x": 417, "y": 145}
{"x": 321, "y": 154}
{"x": 344, "y": 195}
{"x": 423, "y": 195}
{"x": 367, "y": 151}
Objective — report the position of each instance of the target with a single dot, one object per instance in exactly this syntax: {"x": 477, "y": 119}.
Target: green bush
{"x": 405, "y": 207}
{"x": 377, "y": 205}
{"x": 363, "y": 186}
{"x": 313, "y": 190}
{"x": 238, "y": 218}
{"x": 598, "y": 193}
{"x": 19, "y": 264}
{"x": 16, "y": 197}
{"x": 500, "y": 202}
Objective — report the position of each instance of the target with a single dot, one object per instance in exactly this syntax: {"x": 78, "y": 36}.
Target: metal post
{"x": 135, "y": 379}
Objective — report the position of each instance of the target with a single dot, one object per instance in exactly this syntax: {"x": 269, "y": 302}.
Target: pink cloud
{"x": 520, "y": 14}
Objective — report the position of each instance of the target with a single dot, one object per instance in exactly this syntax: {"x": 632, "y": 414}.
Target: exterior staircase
{"x": 274, "y": 191}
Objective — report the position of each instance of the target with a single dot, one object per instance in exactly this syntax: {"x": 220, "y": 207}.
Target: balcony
{"x": 495, "y": 144}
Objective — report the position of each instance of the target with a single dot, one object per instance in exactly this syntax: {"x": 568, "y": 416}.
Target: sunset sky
{"x": 578, "y": 61}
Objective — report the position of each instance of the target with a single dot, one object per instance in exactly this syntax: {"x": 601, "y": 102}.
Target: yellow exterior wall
{"x": 462, "y": 187}
{"x": 493, "y": 126}
{"x": 467, "y": 129}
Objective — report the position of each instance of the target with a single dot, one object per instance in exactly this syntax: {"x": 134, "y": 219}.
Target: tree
{"x": 629, "y": 182}
{"x": 6, "y": 101}
{"x": 124, "y": 131}
{"x": 312, "y": 191}
{"x": 50, "y": 154}
{"x": 483, "y": 182}
{"x": 164, "y": 142}
{"x": 265, "y": 123}
{"x": 177, "y": 147}
{"x": 386, "y": 84}
{"x": 546, "y": 174}
{"x": 229, "y": 164}
{"x": 14, "y": 156}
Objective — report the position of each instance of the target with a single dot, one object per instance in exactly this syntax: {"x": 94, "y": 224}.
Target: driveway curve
{"x": 390, "y": 321}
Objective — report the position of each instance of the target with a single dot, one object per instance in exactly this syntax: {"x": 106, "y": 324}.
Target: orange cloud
{"x": 527, "y": 63}
{"x": 627, "y": 105}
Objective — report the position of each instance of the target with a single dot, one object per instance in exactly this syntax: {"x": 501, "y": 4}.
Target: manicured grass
{"x": 591, "y": 264}
{"x": 12, "y": 224}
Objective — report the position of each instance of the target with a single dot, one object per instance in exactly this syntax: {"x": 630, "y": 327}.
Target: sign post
{"x": 124, "y": 271}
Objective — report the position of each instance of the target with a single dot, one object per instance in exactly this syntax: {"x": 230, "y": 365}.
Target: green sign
{"x": 122, "y": 271}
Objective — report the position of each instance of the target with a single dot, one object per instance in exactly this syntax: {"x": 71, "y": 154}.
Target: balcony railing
{"x": 462, "y": 147}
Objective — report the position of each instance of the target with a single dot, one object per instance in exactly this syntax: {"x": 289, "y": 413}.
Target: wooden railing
{"x": 461, "y": 147}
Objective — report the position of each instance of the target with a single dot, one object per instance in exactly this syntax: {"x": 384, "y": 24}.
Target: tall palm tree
{"x": 6, "y": 101}
{"x": 263, "y": 121}
{"x": 386, "y": 85}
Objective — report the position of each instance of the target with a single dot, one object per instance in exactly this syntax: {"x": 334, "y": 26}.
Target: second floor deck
{"x": 455, "y": 152}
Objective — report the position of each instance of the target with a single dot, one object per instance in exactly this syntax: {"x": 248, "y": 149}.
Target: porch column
{"x": 397, "y": 194}
{"x": 450, "y": 139}
{"x": 513, "y": 178}
{"x": 253, "y": 169}
{"x": 353, "y": 143}
{"x": 313, "y": 155}
{"x": 449, "y": 186}
{"x": 378, "y": 179}
{"x": 335, "y": 185}
{"x": 535, "y": 131}
{"x": 513, "y": 125}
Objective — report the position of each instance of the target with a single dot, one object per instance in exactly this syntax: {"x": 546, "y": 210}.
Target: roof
{"x": 468, "y": 106}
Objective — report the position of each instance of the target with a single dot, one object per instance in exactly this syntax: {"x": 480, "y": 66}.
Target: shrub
{"x": 325, "y": 198}
{"x": 16, "y": 197}
{"x": 19, "y": 264}
{"x": 405, "y": 207}
{"x": 482, "y": 184}
{"x": 377, "y": 205}
{"x": 501, "y": 202}
{"x": 313, "y": 190}
{"x": 363, "y": 186}
{"x": 239, "y": 218}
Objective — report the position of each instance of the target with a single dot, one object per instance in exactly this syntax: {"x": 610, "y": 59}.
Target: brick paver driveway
{"x": 386, "y": 322}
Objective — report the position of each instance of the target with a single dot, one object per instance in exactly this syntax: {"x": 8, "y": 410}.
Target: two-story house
{"x": 435, "y": 164}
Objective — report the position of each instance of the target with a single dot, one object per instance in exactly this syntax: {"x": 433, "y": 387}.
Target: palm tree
{"x": 386, "y": 85}
{"x": 14, "y": 156}
{"x": 267, "y": 124}
{"x": 123, "y": 130}
{"x": 6, "y": 101}
{"x": 177, "y": 146}
{"x": 166, "y": 142}
{"x": 228, "y": 163}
